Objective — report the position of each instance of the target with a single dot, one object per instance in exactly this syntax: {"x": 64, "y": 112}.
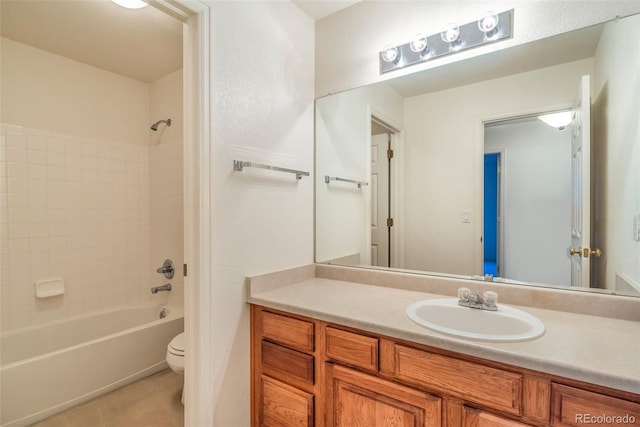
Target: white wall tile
{"x": 75, "y": 208}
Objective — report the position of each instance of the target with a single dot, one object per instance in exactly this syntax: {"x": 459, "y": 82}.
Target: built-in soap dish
{"x": 49, "y": 288}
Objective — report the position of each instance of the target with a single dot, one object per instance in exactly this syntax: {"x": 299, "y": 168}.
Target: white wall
{"x": 616, "y": 86}
{"x": 262, "y": 92}
{"x": 45, "y": 91}
{"x": 537, "y": 209}
{"x": 348, "y": 42}
{"x": 343, "y": 133}
{"x": 443, "y": 159}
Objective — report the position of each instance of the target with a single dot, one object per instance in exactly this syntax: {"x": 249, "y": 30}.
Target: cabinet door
{"x": 476, "y": 418}
{"x": 284, "y": 406}
{"x": 355, "y": 399}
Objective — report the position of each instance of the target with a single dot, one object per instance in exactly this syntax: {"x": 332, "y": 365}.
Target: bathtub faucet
{"x": 162, "y": 288}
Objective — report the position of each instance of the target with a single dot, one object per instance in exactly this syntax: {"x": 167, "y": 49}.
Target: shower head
{"x": 155, "y": 125}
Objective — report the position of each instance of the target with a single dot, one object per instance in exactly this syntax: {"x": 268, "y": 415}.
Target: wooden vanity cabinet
{"x": 307, "y": 372}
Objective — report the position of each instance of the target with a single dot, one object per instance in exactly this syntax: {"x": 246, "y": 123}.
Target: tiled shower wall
{"x": 75, "y": 208}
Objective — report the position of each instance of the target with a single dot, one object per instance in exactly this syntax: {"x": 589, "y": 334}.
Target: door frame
{"x": 197, "y": 163}
{"x": 397, "y": 182}
{"x": 478, "y": 191}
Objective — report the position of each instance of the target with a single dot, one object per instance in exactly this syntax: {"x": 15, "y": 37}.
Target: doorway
{"x": 492, "y": 212}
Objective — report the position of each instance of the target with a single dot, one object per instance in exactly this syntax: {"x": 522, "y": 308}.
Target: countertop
{"x": 599, "y": 350}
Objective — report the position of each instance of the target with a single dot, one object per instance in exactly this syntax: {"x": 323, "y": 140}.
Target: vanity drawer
{"x": 575, "y": 407}
{"x": 289, "y": 331}
{"x": 351, "y": 348}
{"x": 493, "y": 388}
{"x": 282, "y": 362}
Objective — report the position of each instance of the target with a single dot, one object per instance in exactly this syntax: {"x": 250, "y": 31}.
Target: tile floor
{"x": 150, "y": 402}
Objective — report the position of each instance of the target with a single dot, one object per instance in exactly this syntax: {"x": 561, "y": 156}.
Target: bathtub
{"x": 48, "y": 368}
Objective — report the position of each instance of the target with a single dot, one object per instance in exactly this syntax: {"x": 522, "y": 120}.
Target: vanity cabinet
{"x": 307, "y": 372}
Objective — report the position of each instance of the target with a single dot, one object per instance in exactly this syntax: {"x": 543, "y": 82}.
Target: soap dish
{"x": 49, "y": 288}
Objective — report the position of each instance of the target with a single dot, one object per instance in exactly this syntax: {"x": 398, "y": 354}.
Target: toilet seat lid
{"x": 176, "y": 346}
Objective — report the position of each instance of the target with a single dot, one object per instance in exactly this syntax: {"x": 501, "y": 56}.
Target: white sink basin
{"x": 446, "y": 316}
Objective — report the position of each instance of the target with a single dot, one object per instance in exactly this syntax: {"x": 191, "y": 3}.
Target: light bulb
{"x": 390, "y": 54}
{"x": 488, "y": 24}
{"x": 419, "y": 43}
{"x": 130, "y": 4}
{"x": 451, "y": 33}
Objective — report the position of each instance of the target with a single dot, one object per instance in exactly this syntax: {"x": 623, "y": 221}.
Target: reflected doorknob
{"x": 585, "y": 252}
{"x": 575, "y": 251}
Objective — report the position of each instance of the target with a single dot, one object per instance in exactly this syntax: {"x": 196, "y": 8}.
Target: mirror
{"x": 400, "y": 166}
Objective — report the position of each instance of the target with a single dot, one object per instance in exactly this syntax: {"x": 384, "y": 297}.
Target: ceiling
{"x": 144, "y": 44}
{"x": 318, "y": 9}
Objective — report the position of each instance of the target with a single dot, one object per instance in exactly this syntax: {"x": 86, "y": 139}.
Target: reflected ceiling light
{"x": 130, "y": 4}
{"x": 557, "y": 120}
{"x": 488, "y": 24}
{"x": 490, "y": 28}
{"x": 390, "y": 54}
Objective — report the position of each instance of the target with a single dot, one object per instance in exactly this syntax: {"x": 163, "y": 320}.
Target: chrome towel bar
{"x": 328, "y": 179}
{"x": 238, "y": 165}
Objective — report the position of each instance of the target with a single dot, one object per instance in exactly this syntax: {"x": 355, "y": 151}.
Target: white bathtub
{"x": 49, "y": 368}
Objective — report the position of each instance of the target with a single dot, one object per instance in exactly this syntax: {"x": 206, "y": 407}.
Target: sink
{"x": 446, "y": 316}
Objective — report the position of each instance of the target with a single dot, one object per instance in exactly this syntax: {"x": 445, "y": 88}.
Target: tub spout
{"x": 162, "y": 288}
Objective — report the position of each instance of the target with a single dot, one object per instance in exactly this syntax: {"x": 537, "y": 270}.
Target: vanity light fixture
{"x": 490, "y": 28}
{"x": 557, "y": 120}
{"x": 131, "y": 4}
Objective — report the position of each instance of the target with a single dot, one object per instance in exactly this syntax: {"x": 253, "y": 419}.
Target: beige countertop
{"x": 599, "y": 350}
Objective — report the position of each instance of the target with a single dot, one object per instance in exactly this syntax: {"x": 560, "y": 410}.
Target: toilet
{"x": 175, "y": 356}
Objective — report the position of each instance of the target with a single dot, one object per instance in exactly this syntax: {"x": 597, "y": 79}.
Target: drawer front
{"x": 284, "y": 406}
{"x": 469, "y": 381}
{"x": 575, "y": 407}
{"x": 351, "y": 348}
{"x": 288, "y": 331}
{"x": 281, "y": 362}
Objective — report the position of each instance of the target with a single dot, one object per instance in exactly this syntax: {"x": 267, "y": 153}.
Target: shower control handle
{"x": 167, "y": 269}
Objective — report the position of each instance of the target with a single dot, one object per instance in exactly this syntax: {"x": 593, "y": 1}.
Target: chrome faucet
{"x": 162, "y": 288}
{"x": 486, "y": 302}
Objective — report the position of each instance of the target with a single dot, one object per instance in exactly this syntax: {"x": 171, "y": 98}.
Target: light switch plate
{"x": 466, "y": 216}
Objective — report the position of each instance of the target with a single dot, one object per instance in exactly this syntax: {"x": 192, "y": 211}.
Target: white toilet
{"x": 175, "y": 356}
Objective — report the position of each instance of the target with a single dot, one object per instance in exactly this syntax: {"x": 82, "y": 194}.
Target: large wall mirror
{"x": 451, "y": 171}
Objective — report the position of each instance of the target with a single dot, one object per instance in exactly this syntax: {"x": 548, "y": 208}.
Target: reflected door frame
{"x": 397, "y": 183}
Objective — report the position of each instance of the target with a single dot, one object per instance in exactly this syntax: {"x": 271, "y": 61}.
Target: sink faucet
{"x": 162, "y": 288}
{"x": 486, "y": 302}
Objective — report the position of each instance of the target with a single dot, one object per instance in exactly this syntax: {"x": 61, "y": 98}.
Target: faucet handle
{"x": 490, "y": 297}
{"x": 463, "y": 294}
{"x": 166, "y": 269}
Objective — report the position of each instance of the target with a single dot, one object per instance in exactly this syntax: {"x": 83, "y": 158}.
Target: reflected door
{"x": 380, "y": 237}
{"x": 581, "y": 187}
